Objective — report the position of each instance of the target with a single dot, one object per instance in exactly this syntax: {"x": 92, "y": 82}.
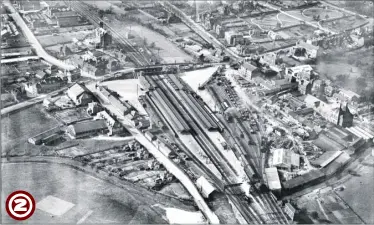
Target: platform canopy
{"x": 204, "y": 186}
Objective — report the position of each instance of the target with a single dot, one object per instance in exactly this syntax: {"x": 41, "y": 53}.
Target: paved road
{"x": 29, "y": 103}
{"x": 169, "y": 165}
{"x": 19, "y": 59}
{"x": 33, "y": 41}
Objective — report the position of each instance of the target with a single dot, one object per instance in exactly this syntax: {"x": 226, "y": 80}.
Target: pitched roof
{"x": 56, "y": 4}
{"x": 205, "y": 186}
{"x": 249, "y": 66}
{"x": 76, "y": 90}
{"x": 273, "y": 178}
{"x": 40, "y": 74}
{"x": 87, "y": 126}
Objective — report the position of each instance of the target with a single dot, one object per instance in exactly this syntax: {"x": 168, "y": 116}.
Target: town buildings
{"x": 247, "y": 70}
{"x": 113, "y": 126}
{"x": 79, "y": 94}
{"x": 332, "y": 112}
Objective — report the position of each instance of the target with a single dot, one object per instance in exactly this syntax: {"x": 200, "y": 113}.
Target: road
{"x": 33, "y": 41}
{"x": 19, "y": 59}
{"x": 168, "y": 164}
{"x": 29, "y": 103}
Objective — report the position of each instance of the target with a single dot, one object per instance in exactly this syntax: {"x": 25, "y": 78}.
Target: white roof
{"x": 298, "y": 69}
{"x": 331, "y": 158}
{"x": 273, "y": 178}
{"x": 75, "y": 91}
{"x": 205, "y": 187}
{"x": 349, "y": 93}
{"x": 310, "y": 100}
{"x": 285, "y": 157}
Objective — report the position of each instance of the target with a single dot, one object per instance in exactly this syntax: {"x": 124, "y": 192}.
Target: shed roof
{"x": 249, "y": 66}
{"x": 76, "y": 90}
{"x": 204, "y": 186}
{"x": 87, "y": 126}
{"x": 273, "y": 178}
{"x": 326, "y": 158}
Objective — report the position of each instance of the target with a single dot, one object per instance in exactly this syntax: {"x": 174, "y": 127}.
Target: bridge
{"x": 171, "y": 68}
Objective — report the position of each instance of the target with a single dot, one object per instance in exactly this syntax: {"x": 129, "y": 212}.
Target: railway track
{"x": 263, "y": 199}
{"x": 137, "y": 57}
{"x": 217, "y": 159}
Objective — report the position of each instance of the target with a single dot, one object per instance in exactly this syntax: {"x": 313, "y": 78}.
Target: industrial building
{"x": 285, "y": 159}
{"x": 247, "y": 69}
{"x": 272, "y": 178}
{"x": 87, "y": 128}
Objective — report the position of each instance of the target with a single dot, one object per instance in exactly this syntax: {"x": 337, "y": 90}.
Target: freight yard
{"x": 245, "y": 112}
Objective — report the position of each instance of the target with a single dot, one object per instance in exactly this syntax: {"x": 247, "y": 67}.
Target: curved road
{"x": 34, "y": 42}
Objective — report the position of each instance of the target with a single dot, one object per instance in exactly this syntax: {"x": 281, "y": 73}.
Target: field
{"x": 297, "y": 32}
{"x": 19, "y": 126}
{"x": 286, "y": 20}
{"x": 94, "y": 200}
{"x": 267, "y": 22}
{"x": 343, "y": 24}
{"x": 359, "y": 191}
{"x": 62, "y": 38}
{"x": 322, "y": 13}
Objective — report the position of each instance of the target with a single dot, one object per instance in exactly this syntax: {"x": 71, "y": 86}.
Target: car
{"x": 55, "y": 34}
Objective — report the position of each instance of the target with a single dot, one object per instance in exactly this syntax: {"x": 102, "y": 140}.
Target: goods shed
{"x": 272, "y": 177}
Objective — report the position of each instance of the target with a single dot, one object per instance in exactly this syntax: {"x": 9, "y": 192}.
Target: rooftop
{"x": 273, "y": 178}
{"x": 87, "y": 126}
{"x": 249, "y": 66}
{"x": 76, "y": 90}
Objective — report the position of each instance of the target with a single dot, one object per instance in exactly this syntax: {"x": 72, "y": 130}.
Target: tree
{"x": 314, "y": 215}
{"x": 145, "y": 41}
{"x": 152, "y": 45}
{"x": 327, "y": 17}
{"x": 101, "y": 13}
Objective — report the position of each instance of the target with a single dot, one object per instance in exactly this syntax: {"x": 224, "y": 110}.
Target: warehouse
{"x": 87, "y": 128}
{"x": 123, "y": 107}
{"x": 285, "y": 159}
{"x": 326, "y": 158}
{"x": 273, "y": 179}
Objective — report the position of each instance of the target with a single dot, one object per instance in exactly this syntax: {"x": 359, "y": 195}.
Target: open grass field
{"x": 297, "y": 32}
{"x": 267, "y": 22}
{"x": 359, "y": 191}
{"x": 62, "y": 38}
{"x": 82, "y": 198}
{"x": 322, "y": 13}
{"x": 286, "y": 20}
{"x": 344, "y": 23}
{"x": 19, "y": 126}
